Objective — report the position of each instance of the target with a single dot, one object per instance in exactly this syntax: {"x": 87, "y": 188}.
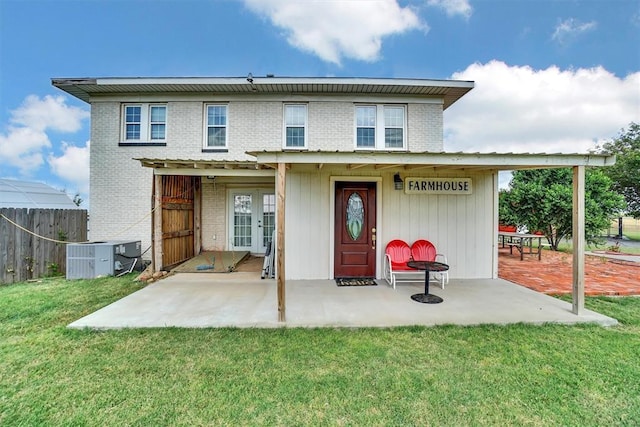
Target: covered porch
{"x": 299, "y": 174}
{"x": 243, "y": 300}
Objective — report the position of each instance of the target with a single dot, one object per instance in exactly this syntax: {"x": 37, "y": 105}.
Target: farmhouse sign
{"x": 455, "y": 186}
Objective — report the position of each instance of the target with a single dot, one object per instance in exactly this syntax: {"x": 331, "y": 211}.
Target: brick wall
{"x": 214, "y": 228}
{"x": 120, "y": 198}
{"x": 425, "y": 127}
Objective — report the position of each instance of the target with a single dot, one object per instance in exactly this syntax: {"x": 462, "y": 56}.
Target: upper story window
{"x": 216, "y": 135}
{"x": 158, "y": 122}
{"x": 366, "y": 126}
{"x": 295, "y": 126}
{"x": 381, "y": 127}
{"x": 132, "y": 121}
{"x": 144, "y": 123}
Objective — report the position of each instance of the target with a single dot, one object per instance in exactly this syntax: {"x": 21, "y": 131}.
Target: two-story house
{"x": 340, "y": 166}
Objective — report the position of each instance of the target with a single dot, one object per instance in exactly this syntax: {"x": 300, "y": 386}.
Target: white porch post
{"x": 496, "y": 223}
{"x": 578, "y": 239}
{"x": 280, "y": 269}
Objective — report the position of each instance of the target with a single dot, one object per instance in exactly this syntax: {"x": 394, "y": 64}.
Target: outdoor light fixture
{"x": 397, "y": 182}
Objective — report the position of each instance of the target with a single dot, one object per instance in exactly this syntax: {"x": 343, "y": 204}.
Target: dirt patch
{"x": 212, "y": 262}
{"x": 250, "y": 263}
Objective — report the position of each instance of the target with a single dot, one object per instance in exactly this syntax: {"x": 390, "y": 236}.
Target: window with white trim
{"x": 132, "y": 122}
{"x": 366, "y": 126}
{"x": 295, "y": 126}
{"x": 158, "y": 122}
{"x": 144, "y": 123}
{"x": 216, "y": 134}
{"x": 381, "y": 127}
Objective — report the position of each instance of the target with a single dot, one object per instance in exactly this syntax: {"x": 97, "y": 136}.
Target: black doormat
{"x": 357, "y": 281}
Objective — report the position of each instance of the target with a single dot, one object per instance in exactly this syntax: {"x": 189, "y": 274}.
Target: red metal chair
{"x": 424, "y": 250}
{"x": 397, "y": 255}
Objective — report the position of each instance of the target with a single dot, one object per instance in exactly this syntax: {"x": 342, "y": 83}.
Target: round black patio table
{"x": 427, "y": 266}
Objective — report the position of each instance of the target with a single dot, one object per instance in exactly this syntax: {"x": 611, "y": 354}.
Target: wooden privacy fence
{"x": 40, "y": 251}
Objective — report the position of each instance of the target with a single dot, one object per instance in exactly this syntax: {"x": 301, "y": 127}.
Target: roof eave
{"x": 85, "y": 88}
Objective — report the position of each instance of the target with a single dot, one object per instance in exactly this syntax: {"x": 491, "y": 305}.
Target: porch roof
{"x": 437, "y": 160}
{"x": 195, "y": 167}
{"x": 266, "y": 161}
{"x": 86, "y": 88}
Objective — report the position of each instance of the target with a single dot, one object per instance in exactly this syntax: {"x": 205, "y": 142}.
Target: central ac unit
{"x": 95, "y": 259}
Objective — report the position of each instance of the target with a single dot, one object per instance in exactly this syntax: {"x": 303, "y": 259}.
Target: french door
{"x": 252, "y": 219}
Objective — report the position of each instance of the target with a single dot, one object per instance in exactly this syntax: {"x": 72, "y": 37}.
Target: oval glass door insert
{"x": 355, "y": 216}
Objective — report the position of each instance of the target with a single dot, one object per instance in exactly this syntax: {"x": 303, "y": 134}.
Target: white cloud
{"x": 72, "y": 166}
{"x": 336, "y": 29}
{"x": 567, "y": 30}
{"x": 48, "y": 113}
{"x": 22, "y": 147}
{"x": 25, "y": 140}
{"x": 519, "y": 109}
{"x": 453, "y": 7}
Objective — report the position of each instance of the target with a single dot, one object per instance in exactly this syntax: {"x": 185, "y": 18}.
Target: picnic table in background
{"x": 523, "y": 242}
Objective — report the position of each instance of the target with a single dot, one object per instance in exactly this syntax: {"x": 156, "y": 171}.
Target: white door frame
{"x": 332, "y": 213}
{"x": 257, "y": 215}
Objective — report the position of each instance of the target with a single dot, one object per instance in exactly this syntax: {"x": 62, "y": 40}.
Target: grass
{"x": 488, "y": 375}
{"x": 567, "y": 246}
{"x": 630, "y": 228}
{"x": 632, "y": 235}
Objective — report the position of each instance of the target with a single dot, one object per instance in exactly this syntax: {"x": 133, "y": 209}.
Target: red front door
{"x": 355, "y": 229}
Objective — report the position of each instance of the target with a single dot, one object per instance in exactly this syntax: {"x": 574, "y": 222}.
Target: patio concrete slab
{"x": 243, "y": 300}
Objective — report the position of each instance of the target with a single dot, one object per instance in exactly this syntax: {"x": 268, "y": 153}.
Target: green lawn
{"x": 566, "y": 246}
{"x": 516, "y": 375}
{"x": 630, "y": 228}
{"x": 633, "y": 235}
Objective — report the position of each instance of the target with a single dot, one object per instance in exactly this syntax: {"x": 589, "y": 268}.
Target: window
{"x": 366, "y": 126}
{"x": 158, "y": 122}
{"x": 295, "y": 124}
{"x": 216, "y": 126}
{"x": 144, "y": 123}
{"x": 393, "y": 127}
{"x": 380, "y": 127}
{"x": 268, "y": 217}
{"x": 242, "y": 214}
{"x": 132, "y": 121}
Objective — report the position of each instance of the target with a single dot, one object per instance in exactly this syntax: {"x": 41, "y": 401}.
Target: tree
{"x": 505, "y": 213}
{"x": 542, "y": 200}
{"x": 625, "y": 174}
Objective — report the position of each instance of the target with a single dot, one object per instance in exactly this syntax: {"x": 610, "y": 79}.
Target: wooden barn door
{"x": 178, "y": 212}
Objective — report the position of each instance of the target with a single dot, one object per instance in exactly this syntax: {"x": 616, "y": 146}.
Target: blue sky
{"x": 551, "y": 76}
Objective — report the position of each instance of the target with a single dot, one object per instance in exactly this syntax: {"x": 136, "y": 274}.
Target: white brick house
{"x": 238, "y": 145}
